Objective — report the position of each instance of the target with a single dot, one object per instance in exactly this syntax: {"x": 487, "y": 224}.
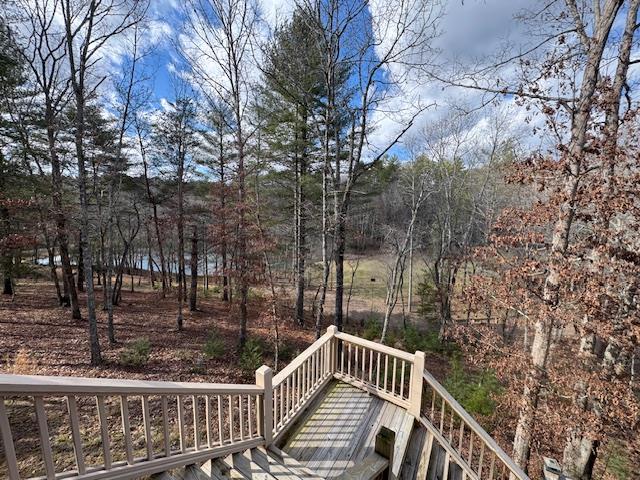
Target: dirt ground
{"x": 58, "y": 345}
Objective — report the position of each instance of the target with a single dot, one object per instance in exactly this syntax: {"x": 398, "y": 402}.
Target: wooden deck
{"x": 338, "y": 431}
{"x": 324, "y": 410}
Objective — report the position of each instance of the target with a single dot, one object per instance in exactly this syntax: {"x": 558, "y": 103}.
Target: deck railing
{"x": 191, "y": 422}
{"x": 465, "y": 442}
{"x": 176, "y": 424}
{"x": 300, "y": 381}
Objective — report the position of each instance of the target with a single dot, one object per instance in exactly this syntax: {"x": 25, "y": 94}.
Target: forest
{"x": 189, "y": 190}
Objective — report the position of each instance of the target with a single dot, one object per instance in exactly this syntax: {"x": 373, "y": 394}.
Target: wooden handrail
{"x": 303, "y": 357}
{"x": 473, "y": 426}
{"x": 44, "y": 385}
{"x": 378, "y": 347}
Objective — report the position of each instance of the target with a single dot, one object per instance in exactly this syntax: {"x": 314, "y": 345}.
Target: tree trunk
{"x": 80, "y": 265}
{"x": 71, "y": 296}
{"x": 181, "y": 263}
{"x": 194, "y": 270}
{"x": 339, "y": 264}
{"x": 301, "y": 243}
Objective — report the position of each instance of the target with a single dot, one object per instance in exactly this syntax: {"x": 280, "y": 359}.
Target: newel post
{"x": 415, "y": 391}
{"x": 264, "y": 380}
{"x": 333, "y": 350}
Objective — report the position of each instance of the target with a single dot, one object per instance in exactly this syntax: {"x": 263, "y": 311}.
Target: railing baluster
{"x": 481, "y": 460}
{"x": 281, "y": 402}
{"x": 241, "y": 417}
{"x": 207, "y": 415}
{"x": 451, "y": 426}
{"x": 341, "y": 356}
{"x": 72, "y": 407}
{"x": 231, "y": 418}
{"x": 104, "y": 429}
{"x": 126, "y": 428}
{"x": 196, "y": 424}
{"x": 386, "y": 371}
{"x": 493, "y": 463}
{"x": 181, "y": 426}
{"x": 289, "y": 408}
{"x": 393, "y": 377}
{"x": 165, "y": 425}
{"x": 442, "y": 415}
{"x": 460, "y": 436}
{"x": 402, "y": 379}
{"x": 146, "y": 420}
{"x": 220, "y": 429}
{"x": 470, "y": 448}
{"x": 304, "y": 379}
{"x": 378, "y": 372}
{"x": 371, "y": 366}
{"x": 7, "y": 441}
{"x": 355, "y": 363}
{"x": 249, "y": 416}
{"x": 298, "y": 388}
{"x": 433, "y": 405}
{"x": 349, "y": 360}
{"x": 45, "y": 443}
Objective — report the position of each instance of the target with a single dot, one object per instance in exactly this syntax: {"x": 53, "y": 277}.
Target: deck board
{"x": 339, "y": 430}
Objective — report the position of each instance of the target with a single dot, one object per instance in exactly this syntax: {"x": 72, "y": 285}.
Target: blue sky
{"x": 471, "y": 30}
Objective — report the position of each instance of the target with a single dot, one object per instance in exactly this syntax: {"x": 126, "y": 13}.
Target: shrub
{"x": 288, "y": 352}
{"x": 372, "y": 329}
{"x": 251, "y": 356}
{"x": 213, "y": 348}
{"x": 136, "y": 354}
{"x": 426, "y": 342}
{"x": 427, "y": 293}
{"x": 474, "y": 391}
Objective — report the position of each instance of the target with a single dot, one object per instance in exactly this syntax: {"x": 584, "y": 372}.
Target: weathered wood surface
{"x": 338, "y": 431}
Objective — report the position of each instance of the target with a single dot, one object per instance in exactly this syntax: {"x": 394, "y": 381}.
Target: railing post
{"x": 333, "y": 356}
{"x": 264, "y": 380}
{"x": 415, "y": 392}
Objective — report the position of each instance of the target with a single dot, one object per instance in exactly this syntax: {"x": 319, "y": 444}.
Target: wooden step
{"x": 270, "y": 464}
{"x": 292, "y": 464}
{"x": 243, "y": 463}
{"x": 371, "y": 467}
{"x": 218, "y": 469}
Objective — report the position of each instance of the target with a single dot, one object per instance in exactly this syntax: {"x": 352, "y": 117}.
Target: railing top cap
{"x": 35, "y": 384}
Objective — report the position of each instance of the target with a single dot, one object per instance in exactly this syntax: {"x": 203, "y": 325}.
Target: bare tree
{"x": 219, "y": 55}
{"x": 44, "y": 50}
{"x": 414, "y": 187}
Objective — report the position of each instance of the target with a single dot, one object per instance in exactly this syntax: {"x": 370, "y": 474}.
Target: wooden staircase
{"x": 123, "y": 429}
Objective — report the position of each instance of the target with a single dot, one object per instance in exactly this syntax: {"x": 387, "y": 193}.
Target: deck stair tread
{"x": 243, "y": 463}
{"x": 276, "y": 456}
{"x": 217, "y": 469}
{"x": 370, "y": 468}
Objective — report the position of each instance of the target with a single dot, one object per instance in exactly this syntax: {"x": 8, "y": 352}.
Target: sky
{"x": 470, "y": 30}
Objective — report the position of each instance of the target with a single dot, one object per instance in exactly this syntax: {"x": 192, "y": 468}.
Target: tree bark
{"x": 193, "y": 294}
{"x": 80, "y": 278}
